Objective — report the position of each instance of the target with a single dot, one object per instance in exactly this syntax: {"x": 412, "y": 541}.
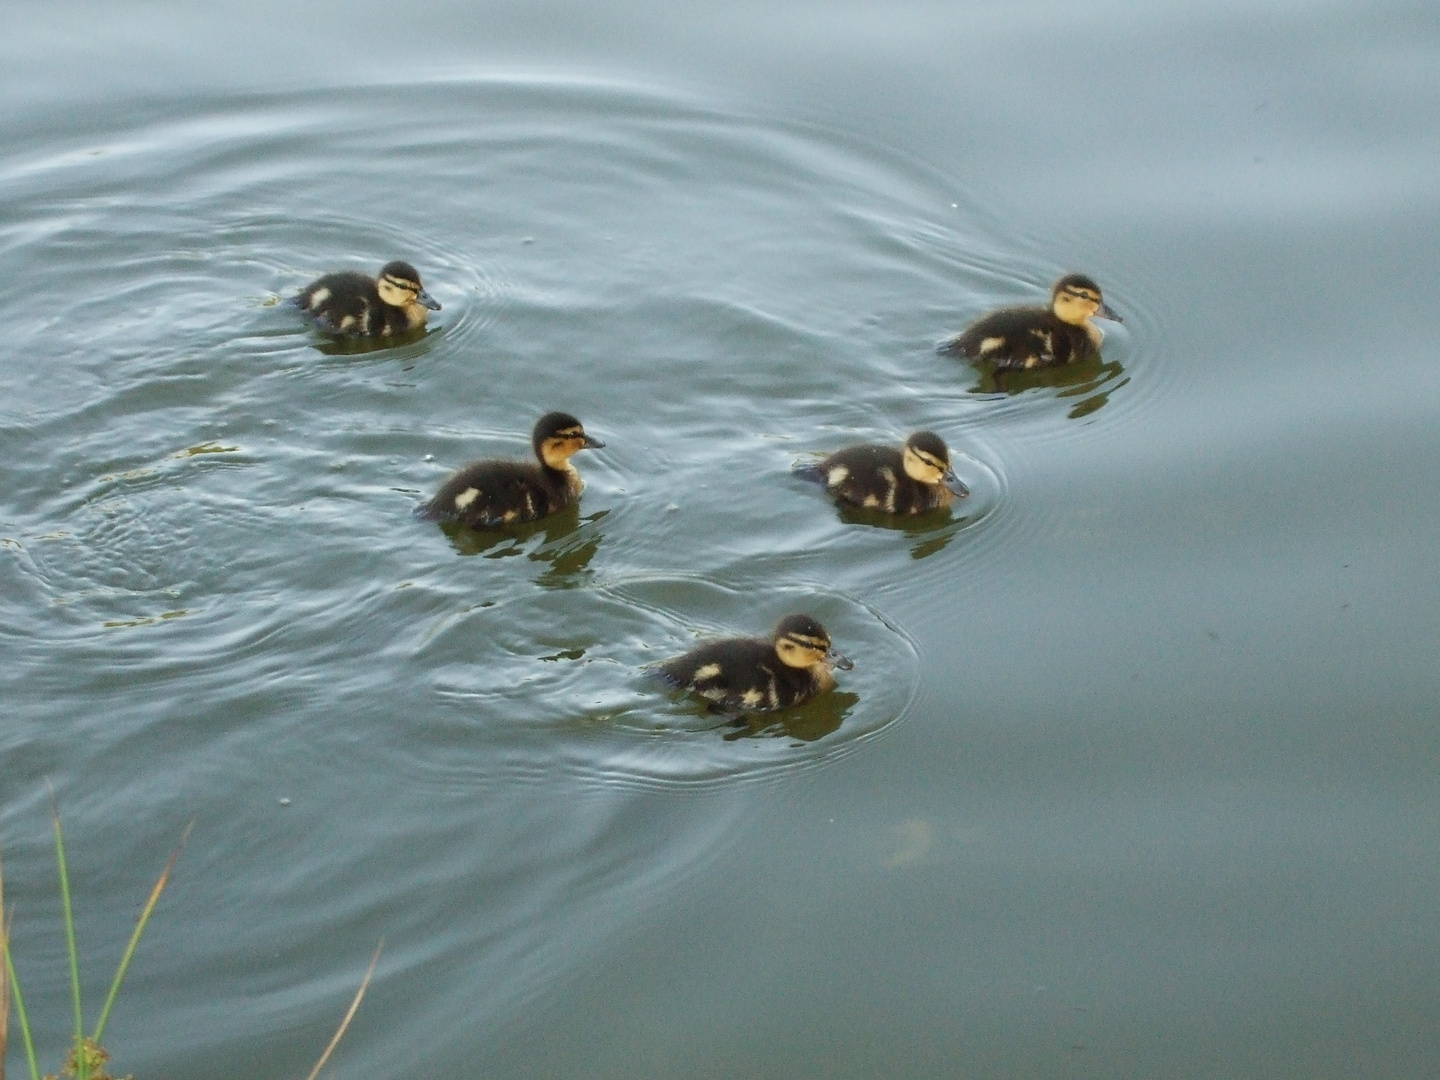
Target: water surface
{"x": 1134, "y": 775}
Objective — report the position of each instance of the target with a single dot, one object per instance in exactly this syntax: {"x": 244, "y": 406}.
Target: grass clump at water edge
{"x": 88, "y": 1057}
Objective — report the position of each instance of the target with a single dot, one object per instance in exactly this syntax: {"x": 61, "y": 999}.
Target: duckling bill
{"x": 486, "y": 494}
{"x": 350, "y": 303}
{"x": 1031, "y": 337}
{"x": 913, "y": 479}
{"x": 760, "y": 674}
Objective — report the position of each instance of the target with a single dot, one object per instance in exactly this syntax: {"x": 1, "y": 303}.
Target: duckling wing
{"x": 490, "y": 493}
{"x": 729, "y": 673}
{"x": 339, "y": 303}
{"x": 1011, "y": 335}
{"x": 865, "y": 475}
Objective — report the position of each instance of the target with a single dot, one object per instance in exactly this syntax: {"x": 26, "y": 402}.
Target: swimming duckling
{"x": 494, "y": 492}
{"x": 910, "y": 480}
{"x": 760, "y": 674}
{"x": 350, "y": 303}
{"x": 1030, "y": 337}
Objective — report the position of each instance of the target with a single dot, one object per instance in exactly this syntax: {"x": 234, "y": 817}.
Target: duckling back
{"x": 874, "y": 477}
{"x": 486, "y": 494}
{"x": 346, "y": 302}
{"x": 1025, "y": 337}
{"x": 741, "y": 673}
{"x": 1030, "y": 337}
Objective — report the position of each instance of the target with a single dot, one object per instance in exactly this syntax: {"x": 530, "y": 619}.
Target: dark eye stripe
{"x": 807, "y": 642}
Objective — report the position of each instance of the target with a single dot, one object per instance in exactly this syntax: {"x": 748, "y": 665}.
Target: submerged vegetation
{"x": 88, "y": 1057}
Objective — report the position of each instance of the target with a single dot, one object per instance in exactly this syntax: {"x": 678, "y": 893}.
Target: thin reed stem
{"x": 19, "y": 999}
{"x": 135, "y": 937}
{"x": 82, "y": 1070}
{"x": 349, "y": 1015}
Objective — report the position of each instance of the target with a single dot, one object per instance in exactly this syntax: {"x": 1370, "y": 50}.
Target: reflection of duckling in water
{"x": 759, "y": 674}
{"x": 494, "y": 492}
{"x": 1031, "y": 337}
{"x": 563, "y": 541}
{"x": 910, "y": 480}
{"x": 350, "y": 303}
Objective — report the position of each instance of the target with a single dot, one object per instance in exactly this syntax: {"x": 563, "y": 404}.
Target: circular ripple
{"x": 570, "y": 670}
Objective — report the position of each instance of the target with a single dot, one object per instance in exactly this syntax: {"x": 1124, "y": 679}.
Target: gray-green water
{"x": 1136, "y": 774}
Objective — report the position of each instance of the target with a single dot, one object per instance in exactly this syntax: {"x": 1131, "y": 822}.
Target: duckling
{"x": 350, "y": 303}
{"x": 494, "y": 492}
{"x": 911, "y": 480}
{"x": 760, "y": 674}
{"x": 1030, "y": 337}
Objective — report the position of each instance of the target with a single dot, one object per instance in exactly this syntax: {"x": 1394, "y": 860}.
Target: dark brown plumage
{"x": 355, "y": 305}
{"x": 1030, "y": 337}
{"x": 497, "y": 491}
{"x": 760, "y": 674}
{"x": 912, "y": 479}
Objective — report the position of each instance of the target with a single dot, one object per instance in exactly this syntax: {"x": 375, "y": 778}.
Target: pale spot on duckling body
{"x": 1031, "y": 337}
{"x": 494, "y": 492}
{"x": 347, "y": 302}
{"x": 913, "y": 479}
{"x": 760, "y": 674}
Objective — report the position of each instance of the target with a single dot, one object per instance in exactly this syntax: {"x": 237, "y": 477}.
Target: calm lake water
{"x": 1136, "y": 772}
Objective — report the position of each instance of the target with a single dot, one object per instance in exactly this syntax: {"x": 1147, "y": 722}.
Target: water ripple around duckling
{"x": 215, "y": 593}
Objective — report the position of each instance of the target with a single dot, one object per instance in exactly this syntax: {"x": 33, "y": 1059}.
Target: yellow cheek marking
{"x": 990, "y": 344}
{"x": 751, "y": 697}
{"x": 709, "y": 671}
{"x": 466, "y": 497}
{"x": 318, "y": 297}
{"x": 838, "y": 476}
{"x": 510, "y": 515}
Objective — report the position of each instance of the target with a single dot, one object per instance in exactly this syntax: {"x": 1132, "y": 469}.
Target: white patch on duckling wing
{"x": 466, "y": 497}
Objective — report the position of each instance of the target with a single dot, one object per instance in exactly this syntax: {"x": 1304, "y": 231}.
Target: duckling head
{"x": 558, "y": 437}
{"x": 1076, "y": 299}
{"x": 802, "y": 642}
{"x": 927, "y": 460}
{"x": 399, "y": 286}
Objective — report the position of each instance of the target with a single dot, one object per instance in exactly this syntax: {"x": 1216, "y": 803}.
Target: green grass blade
{"x": 81, "y": 1069}
{"x": 135, "y": 937}
{"x": 4, "y": 978}
{"x": 349, "y": 1015}
{"x": 12, "y": 993}
{"x": 19, "y": 1000}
